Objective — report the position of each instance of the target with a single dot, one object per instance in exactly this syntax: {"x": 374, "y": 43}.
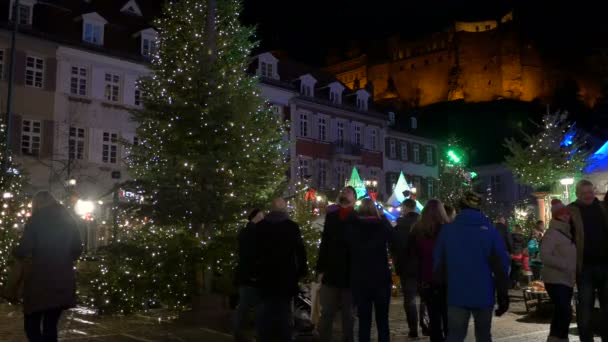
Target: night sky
{"x": 306, "y": 29}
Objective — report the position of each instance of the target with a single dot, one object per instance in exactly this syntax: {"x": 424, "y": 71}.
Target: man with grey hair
{"x": 281, "y": 262}
{"x": 590, "y": 221}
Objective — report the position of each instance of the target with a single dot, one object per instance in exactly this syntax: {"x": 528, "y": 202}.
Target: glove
{"x": 503, "y": 305}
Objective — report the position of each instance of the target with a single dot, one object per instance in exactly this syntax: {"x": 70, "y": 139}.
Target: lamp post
{"x": 85, "y": 209}
{"x": 566, "y": 182}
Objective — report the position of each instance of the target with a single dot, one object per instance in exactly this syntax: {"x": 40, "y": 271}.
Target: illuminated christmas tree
{"x": 454, "y": 179}
{"x": 556, "y": 152}
{"x": 209, "y": 150}
{"x": 14, "y": 208}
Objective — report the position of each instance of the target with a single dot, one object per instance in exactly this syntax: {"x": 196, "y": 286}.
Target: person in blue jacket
{"x": 471, "y": 259}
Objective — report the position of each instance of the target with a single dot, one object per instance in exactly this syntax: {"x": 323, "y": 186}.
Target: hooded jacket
{"x": 558, "y": 253}
{"x": 470, "y": 255}
{"x": 280, "y": 255}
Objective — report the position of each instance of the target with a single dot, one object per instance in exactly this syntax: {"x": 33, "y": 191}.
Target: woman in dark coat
{"x": 371, "y": 282}
{"x": 51, "y": 241}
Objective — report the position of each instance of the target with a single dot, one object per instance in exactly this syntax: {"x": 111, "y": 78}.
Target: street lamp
{"x": 565, "y": 182}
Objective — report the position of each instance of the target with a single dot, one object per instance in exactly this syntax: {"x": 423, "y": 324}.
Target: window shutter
{"x": 410, "y": 151}
{"x": 19, "y": 67}
{"x": 15, "y": 142}
{"x": 398, "y": 150}
{"x": 50, "y": 73}
{"x": 389, "y": 186}
{"x": 423, "y": 192}
{"x": 422, "y": 154}
{"x": 48, "y": 135}
{"x": 387, "y": 150}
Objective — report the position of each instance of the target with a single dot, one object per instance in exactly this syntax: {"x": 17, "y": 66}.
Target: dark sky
{"x": 307, "y": 28}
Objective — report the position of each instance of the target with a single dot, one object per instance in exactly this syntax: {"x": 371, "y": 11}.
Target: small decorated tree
{"x": 454, "y": 179}
{"x": 557, "y": 151}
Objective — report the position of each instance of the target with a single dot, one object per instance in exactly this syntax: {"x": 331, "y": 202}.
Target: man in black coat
{"x": 501, "y": 226}
{"x": 281, "y": 262}
{"x": 246, "y": 274}
{"x": 406, "y": 267}
{"x": 333, "y": 268}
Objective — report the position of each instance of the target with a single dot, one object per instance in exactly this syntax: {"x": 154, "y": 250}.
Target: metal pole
{"x": 11, "y": 81}
{"x": 115, "y": 214}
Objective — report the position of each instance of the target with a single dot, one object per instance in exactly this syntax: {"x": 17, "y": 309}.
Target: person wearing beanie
{"x": 558, "y": 253}
{"x": 471, "y": 259}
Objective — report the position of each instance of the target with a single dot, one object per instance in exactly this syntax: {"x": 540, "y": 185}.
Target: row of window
{"x": 409, "y": 52}
{"x": 79, "y": 81}
{"x": 322, "y": 132}
{"x": 400, "y": 150}
{"x": 31, "y": 142}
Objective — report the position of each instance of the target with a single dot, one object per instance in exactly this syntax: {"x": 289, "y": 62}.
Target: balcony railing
{"x": 342, "y": 147}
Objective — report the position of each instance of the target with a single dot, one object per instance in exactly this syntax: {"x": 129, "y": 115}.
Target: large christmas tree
{"x": 557, "y": 151}
{"x": 210, "y": 149}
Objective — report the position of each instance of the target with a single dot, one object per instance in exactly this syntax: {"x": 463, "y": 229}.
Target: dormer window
{"x": 25, "y": 11}
{"x": 267, "y": 66}
{"x": 93, "y": 33}
{"x": 362, "y": 99}
{"x": 414, "y": 122}
{"x": 307, "y": 85}
{"x": 335, "y": 92}
{"x": 267, "y": 70}
{"x": 93, "y": 28}
{"x": 148, "y": 42}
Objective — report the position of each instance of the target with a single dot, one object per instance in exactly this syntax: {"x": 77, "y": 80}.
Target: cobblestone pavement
{"x": 82, "y": 325}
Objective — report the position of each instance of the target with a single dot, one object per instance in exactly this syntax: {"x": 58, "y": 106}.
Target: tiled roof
{"x": 59, "y": 20}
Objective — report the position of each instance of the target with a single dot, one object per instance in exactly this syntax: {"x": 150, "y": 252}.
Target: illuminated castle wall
{"x": 473, "y": 61}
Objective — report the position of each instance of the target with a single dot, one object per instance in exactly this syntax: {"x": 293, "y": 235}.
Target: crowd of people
{"x": 458, "y": 262}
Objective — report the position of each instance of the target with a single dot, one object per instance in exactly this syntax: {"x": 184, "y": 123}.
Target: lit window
{"x": 78, "y": 81}
{"x": 76, "y": 143}
{"x": 31, "y": 133}
{"x": 109, "y": 148}
{"x": 112, "y": 89}
{"x": 93, "y": 33}
{"x": 303, "y": 125}
{"x": 322, "y": 129}
{"x": 34, "y": 72}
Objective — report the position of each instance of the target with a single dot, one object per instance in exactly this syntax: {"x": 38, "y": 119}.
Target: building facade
{"x": 76, "y": 70}
{"x": 334, "y": 129}
{"x": 502, "y": 187}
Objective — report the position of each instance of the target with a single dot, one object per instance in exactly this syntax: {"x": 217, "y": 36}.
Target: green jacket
{"x": 579, "y": 231}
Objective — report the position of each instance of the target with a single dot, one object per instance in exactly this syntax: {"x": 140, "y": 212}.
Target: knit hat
{"x": 557, "y": 207}
{"x": 471, "y": 200}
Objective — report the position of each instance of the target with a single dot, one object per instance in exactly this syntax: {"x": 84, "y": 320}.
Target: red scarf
{"x": 344, "y": 212}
